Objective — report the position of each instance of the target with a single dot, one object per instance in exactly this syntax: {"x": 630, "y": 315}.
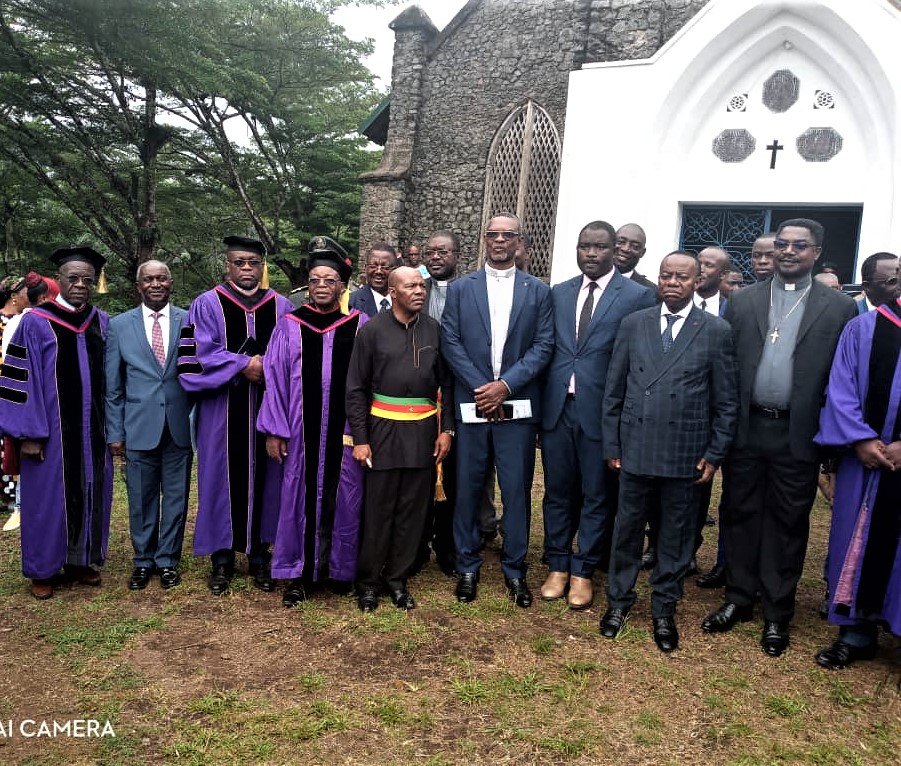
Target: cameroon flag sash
{"x": 402, "y": 408}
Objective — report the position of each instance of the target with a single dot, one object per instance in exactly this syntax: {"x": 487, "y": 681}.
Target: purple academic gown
{"x": 322, "y": 487}
{"x": 236, "y": 495}
{"x": 52, "y": 390}
{"x": 841, "y": 424}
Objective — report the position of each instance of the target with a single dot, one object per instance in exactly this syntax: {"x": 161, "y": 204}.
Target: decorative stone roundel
{"x": 823, "y": 99}
{"x": 734, "y": 145}
{"x": 780, "y": 91}
{"x": 819, "y": 144}
{"x": 738, "y": 103}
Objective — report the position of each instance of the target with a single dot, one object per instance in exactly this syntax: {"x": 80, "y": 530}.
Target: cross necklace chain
{"x": 774, "y": 335}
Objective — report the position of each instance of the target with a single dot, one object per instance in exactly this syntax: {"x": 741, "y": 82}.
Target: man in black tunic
{"x": 394, "y": 411}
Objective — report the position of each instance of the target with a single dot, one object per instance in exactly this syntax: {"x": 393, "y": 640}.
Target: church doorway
{"x": 735, "y": 229}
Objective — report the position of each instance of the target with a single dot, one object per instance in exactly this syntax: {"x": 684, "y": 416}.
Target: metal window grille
{"x": 733, "y": 229}
{"x": 521, "y": 177}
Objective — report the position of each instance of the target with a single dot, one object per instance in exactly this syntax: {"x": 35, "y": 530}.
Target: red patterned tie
{"x": 156, "y": 339}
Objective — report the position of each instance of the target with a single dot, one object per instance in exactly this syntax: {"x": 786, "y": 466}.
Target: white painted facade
{"x": 639, "y": 134}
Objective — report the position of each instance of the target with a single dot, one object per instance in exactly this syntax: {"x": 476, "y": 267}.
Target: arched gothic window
{"x": 522, "y": 175}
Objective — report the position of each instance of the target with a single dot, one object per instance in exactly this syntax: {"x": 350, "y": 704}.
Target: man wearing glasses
{"x": 374, "y": 298}
{"x": 879, "y": 275}
{"x": 51, "y": 399}
{"x": 497, "y": 337}
{"x": 220, "y": 358}
{"x": 304, "y": 417}
{"x": 785, "y": 332}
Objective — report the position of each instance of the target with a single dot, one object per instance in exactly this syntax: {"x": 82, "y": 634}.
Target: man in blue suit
{"x": 498, "y": 335}
{"x": 147, "y": 423}
{"x": 669, "y": 415}
{"x": 587, "y": 313}
{"x": 879, "y": 281}
{"x": 373, "y": 299}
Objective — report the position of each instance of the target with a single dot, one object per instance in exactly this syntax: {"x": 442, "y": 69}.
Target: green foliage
{"x": 151, "y": 129}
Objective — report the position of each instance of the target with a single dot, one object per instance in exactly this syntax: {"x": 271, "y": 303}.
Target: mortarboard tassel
{"x": 264, "y": 282}
{"x": 102, "y": 287}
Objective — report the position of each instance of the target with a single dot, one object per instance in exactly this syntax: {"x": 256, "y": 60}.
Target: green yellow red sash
{"x": 402, "y": 408}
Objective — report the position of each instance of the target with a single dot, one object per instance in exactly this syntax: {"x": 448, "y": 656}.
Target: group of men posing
{"x": 333, "y": 444}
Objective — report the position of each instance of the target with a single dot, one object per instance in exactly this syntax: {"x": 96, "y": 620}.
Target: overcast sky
{"x": 360, "y": 23}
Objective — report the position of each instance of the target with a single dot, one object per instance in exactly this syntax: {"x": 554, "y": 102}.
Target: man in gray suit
{"x": 669, "y": 415}
{"x": 147, "y": 423}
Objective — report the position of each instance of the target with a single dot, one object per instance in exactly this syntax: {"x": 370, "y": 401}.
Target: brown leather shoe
{"x": 554, "y": 586}
{"x": 83, "y": 575}
{"x": 581, "y": 593}
{"x": 41, "y": 589}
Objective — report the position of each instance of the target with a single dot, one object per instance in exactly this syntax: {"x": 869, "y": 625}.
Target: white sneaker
{"x": 13, "y": 522}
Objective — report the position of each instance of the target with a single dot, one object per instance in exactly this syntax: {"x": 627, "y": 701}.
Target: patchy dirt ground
{"x": 187, "y": 678}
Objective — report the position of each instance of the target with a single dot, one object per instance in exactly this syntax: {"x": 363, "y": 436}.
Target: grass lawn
{"x": 186, "y": 678}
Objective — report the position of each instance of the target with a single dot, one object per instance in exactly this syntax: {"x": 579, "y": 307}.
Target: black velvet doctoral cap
{"x": 86, "y": 254}
{"x": 324, "y": 251}
{"x": 244, "y": 244}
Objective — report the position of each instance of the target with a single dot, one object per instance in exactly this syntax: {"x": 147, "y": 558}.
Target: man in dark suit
{"x": 785, "y": 332}
{"x": 670, "y": 410}
{"x": 879, "y": 281}
{"x": 714, "y": 261}
{"x": 631, "y": 245}
{"x": 588, "y": 310}
{"x": 381, "y": 260}
{"x": 147, "y": 423}
{"x": 497, "y": 336}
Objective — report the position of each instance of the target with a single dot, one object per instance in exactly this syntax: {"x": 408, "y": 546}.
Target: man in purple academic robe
{"x": 52, "y": 400}
{"x": 220, "y": 361}
{"x": 863, "y": 416}
{"x": 304, "y": 418}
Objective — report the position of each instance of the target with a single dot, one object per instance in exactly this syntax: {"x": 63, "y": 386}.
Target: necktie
{"x": 156, "y": 339}
{"x": 668, "y": 332}
{"x": 384, "y": 306}
{"x": 585, "y": 316}
{"x": 703, "y": 305}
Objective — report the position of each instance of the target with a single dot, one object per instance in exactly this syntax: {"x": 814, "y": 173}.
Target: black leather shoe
{"x": 262, "y": 577}
{"x": 169, "y": 577}
{"x": 665, "y": 634}
{"x": 649, "y": 558}
{"x": 467, "y": 587}
{"x": 725, "y": 617}
{"x": 840, "y": 655}
{"x": 519, "y": 591}
{"x": 368, "y": 600}
{"x": 403, "y": 599}
{"x": 775, "y": 637}
{"x": 220, "y": 579}
{"x": 139, "y": 578}
{"x": 715, "y": 578}
{"x": 612, "y": 622}
{"x": 293, "y": 593}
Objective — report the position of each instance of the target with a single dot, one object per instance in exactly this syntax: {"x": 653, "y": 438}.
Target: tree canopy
{"x": 153, "y": 127}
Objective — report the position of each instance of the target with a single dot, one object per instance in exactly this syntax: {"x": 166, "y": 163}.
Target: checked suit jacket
{"x": 589, "y": 361}
{"x": 663, "y": 412}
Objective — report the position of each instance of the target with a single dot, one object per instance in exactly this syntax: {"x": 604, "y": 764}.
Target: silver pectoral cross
{"x": 774, "y": 335}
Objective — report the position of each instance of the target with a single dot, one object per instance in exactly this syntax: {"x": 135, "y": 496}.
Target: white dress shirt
{"x": 677, "y": 325}
{"x": 712, "y": 305}
{"x": 147, "y": 312}
{"x": 500, "y": 286}
{"x": 378, "y": 297}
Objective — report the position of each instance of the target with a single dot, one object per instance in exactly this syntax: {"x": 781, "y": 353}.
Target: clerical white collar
{"x": 440, "y": 283}
{"x": 788, "y": 286}
{"x": 498, "y": 273}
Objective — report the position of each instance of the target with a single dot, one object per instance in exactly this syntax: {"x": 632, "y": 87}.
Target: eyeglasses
{"x": 797, "y": 245}
{"x": 242, "y": 262}
{"x": 327, "y": 281}
{"x": 86, "y": 281}
{"x": 890, "y": 282}
{"x": 441, "y": 253}
{"x": 507, "y": 236}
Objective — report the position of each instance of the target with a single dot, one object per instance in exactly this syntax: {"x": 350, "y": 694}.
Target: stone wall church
{"x": 705, "y": 121}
